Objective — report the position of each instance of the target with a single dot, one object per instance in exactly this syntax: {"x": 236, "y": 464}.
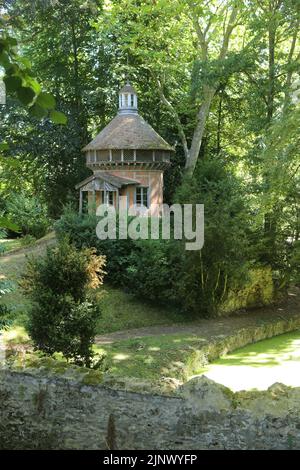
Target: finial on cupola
{"x": 127, "y": 100}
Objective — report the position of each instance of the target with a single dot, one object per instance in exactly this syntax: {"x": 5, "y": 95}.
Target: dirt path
{"x": 217, "y": 327}
{"x": 11, "y": 264}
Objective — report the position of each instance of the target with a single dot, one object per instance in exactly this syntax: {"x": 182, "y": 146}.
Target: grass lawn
{"x": 256, "y": 366}
{"x": 153, "y": 357}
{"x": 10, "y": 244}
{"x": 120, "y": 311}
{"x": 259, "y": 365}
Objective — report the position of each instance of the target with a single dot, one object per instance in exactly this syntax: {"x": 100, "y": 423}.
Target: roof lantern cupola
{"x": 128, "y": 100}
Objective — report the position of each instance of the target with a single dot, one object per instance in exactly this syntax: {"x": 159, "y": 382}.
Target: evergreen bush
{"x": 64, "y": 309}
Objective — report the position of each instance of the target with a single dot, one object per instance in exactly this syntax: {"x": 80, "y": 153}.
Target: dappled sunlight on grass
{"x": 259, "y": 365}
{"x": 121, "y": 357}
{"x": 15, "y": 335}
{"x": 255, "y": 366}
{"x": 150, "y": 357}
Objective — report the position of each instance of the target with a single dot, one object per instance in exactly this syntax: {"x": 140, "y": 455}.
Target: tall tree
{"x": 184, "y": 41}
{"x": 68, "y": 58}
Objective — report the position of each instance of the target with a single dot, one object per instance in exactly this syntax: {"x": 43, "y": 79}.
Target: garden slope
{"x": 119, "y": 310}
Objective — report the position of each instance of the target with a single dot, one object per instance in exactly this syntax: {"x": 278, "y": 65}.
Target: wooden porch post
{"x": 94, "y": 200}
{"x": 117, "y": 200}
{"x": 80, "y": 201}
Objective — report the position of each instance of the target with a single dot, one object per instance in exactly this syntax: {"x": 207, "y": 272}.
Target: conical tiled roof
{"x": 128, "y": 131}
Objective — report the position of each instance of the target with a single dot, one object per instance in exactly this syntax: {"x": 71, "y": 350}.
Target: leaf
{"x": 4, "y": 146}
{"x": 25, "y": 95}
{"x": 46, "y": 100}
{"x": 6, "y": 223}
{"x": 10, "y": 162}
{"x": 24, "y": 61}
{"x": 37, "y": 111}
{"x": 12, "y": 83}
{"x": 33, "y": 84}
{"x": 11, "y": 41}
{"x": 4, "y": 59}
{"x": 58, "y": 118}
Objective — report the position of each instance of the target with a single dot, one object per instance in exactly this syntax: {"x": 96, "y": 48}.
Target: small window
{"x": 144, "y": 156}
{"x": 102, "y": 155}
{"x": 109, "y": 198}
{"x": 116, "y": 155}
{"x": 141, "y": 196}
{"x": 132, "y": 100}
{"x": 126, "y": 99}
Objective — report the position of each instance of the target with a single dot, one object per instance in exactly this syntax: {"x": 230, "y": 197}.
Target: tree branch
{"x": 289, "y": 61}
{"x": 201, "y": 35}
{"x": 228, "y": 31}
{"x": 171, "y": 108}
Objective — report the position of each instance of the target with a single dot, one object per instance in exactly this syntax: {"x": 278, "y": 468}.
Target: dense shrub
{"x": 64, "y": 312}
{"x": 29, "y": 214}
{"x": 155, "y": 266}
{"x": 81, "y": 231}
{"x": 209, "y": 274}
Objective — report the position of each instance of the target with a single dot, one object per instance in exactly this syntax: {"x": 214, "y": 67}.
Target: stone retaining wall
{"x": 52, "y": 413}
{"x": 41, "y": 410}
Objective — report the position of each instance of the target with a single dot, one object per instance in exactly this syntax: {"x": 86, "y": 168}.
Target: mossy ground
{"x": 153, "y": 357}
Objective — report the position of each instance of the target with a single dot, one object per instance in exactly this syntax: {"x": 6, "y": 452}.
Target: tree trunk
{"x": 219, "y": 126}
{"x": 203, "y": 113}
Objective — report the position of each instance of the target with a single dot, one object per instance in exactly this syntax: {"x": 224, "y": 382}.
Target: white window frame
{"x": 143, "y": 189}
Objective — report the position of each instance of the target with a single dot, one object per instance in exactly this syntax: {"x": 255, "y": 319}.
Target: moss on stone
{"x": 258, "y": 291}
{"x": 93, "y": 377}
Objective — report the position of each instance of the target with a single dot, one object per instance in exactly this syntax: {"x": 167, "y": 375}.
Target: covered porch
{"x": 104, "y": 188}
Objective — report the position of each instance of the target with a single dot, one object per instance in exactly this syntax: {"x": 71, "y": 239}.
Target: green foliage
{"x": 5, "y": 287}
{"x": 81, "y": 230}
{"x": 154, "y": 269}
{"x": 64, "y": 314}
{"x": 27, "y": 240}
{"x": 161, "y": 270}
{"x": 170, "y": 50}
{"x": 30, "y": 214}
{"x": 5, "y": 311}
{"x": 6, "y": 223}
{"x": 208, "y": 275}
{"x": 19, "y": 80}
{"x": 295, "y": 262}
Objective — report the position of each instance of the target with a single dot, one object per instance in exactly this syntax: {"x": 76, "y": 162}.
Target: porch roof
{"x": 116, "y": 182}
